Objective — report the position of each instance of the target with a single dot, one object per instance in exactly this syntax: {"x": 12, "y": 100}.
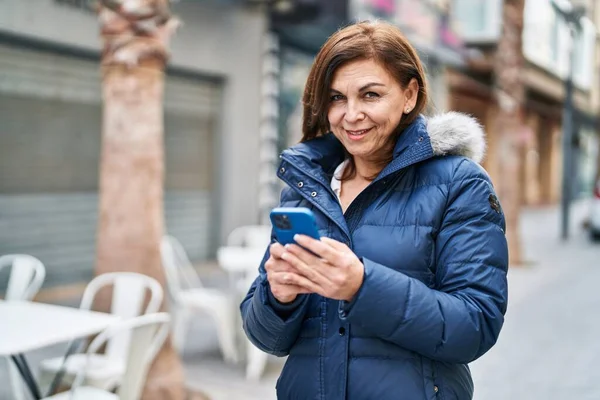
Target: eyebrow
{"x": 364, "y": 87}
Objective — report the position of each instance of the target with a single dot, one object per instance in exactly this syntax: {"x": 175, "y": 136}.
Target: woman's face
{"x": 366, "y": 106}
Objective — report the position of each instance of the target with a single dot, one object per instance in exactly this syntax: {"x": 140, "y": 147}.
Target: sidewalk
{"x": 546, "y": 256}
{"x": 549, "y": 347}
{"x": 550, "y": 334}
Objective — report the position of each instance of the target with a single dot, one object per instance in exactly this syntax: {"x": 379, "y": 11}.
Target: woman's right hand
{"x": 279, "y": 274}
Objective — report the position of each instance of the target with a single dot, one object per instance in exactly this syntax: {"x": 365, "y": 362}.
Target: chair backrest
{"x": 26, "y": 276}
{"x": 179, "y": 270}
{"x": 129, "y": 293}
{"x": 250, "y": 236}
{"x": 148, "y": 333}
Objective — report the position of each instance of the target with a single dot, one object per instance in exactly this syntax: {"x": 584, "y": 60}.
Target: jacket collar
{"x": 450, "y": 133}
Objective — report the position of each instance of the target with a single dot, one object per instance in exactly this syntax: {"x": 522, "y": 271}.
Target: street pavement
{"x": 549, "y": 347}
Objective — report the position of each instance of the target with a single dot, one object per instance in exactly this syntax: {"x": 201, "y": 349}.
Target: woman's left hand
{"x": 333, "y": 271}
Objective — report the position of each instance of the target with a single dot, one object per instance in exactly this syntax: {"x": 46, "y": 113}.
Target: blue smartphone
{"x": 289, "y": 221}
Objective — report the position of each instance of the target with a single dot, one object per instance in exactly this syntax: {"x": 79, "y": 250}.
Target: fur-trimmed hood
{"x": 455, "y": 133}
{"x": 450, "y": 133}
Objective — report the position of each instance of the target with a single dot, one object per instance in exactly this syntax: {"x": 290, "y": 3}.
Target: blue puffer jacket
{"x": 430, "y": 232}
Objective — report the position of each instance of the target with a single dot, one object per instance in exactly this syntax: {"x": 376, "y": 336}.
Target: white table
{"x": 26, "y": 326}
{"x": 241, "y": 264}
{"x": 243, "y": 260}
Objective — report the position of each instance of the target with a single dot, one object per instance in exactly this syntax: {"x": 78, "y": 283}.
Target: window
{"x": 554, "y": 38}
{"x": 477, "y": 21}
{"x": 583, "y": 57}
{"x": 547, "y": 40}
{"x": 87, "y": 5}
{"x": 541, "y": 34}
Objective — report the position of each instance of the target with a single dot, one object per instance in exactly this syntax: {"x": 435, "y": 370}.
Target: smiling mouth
{"x": 357, "y": 133}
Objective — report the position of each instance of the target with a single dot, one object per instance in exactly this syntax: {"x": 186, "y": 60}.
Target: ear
{"x": 411, "y": 93}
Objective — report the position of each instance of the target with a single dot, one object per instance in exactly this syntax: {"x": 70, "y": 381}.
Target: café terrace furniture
{"x": 188, "y": 295}
{"x": 25, "y": 279}
{"x": 106, "y": 370}
{"x": 28, "y": 326}
{"x": 148, "y": 333}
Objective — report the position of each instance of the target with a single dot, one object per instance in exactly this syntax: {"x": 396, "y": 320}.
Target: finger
{"x": 279, "y": 265}
{"x": 306, "y": 256}
{"x": 287, "y": 293}
{"x": 291, "y": 278}
{"x": 276, "y": 250}
{"x": 286, "y": 289}
{"x": 335, "y": 244}
{"x": 321, "y": 247}
{"x": 309, "y": 271}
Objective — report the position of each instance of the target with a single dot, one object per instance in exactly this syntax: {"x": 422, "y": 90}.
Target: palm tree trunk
{"x": 131, "y": 221}
{"x": 510, "y": 96}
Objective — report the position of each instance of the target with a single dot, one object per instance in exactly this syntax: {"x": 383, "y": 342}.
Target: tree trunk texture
{"x": 131, "y": 220}
{"x": 510, "y": 96}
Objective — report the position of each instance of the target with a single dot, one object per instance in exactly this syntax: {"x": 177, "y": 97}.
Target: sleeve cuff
{"x": 345, "y": 306}
{"x": 284, "y": 310}
{"x": 377, "y": 281}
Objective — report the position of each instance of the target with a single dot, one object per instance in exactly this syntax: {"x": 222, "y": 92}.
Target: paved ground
{"x": 550, "y": 345}
{"x": 549, "y": 348}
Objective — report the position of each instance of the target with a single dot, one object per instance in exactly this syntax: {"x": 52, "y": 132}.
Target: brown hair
{"x": 379, "y": 41}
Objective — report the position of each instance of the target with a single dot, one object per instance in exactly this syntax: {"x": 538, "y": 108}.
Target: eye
{"x": 371, "y": 95}
{"x": 336, "y": 97}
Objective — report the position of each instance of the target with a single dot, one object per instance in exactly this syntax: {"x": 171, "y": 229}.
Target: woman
{"x": 408, "y": 282}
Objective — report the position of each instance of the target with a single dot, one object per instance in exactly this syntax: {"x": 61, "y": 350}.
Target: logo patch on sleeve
{"x": 495, "y": 203}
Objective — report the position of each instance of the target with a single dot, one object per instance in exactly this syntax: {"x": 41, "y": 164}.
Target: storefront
{"x": 50, "y": 124}
{"x": 50, "y": 140}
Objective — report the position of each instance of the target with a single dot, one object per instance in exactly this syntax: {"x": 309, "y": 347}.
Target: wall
{"x": 215, "y": 40}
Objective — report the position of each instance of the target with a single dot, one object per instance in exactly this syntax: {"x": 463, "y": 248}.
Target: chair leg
{"x": 15, "y": 380}
{"x": 226, "y": 332}
{"x": 256, "y": 362}
{"x": 180, "y": 328}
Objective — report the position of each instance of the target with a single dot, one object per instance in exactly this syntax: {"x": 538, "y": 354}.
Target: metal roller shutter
{"x": 50, "y": 124}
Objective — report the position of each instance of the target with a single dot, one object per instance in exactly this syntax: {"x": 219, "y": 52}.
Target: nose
{"x": 354, "y": 113}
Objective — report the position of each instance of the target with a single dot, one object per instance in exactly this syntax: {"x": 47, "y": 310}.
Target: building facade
{"x": 546, "y": 42}
{"x": 51, "y": 108}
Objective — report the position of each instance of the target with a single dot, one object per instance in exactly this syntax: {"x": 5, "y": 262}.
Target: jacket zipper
{"x": 311, "y": 201}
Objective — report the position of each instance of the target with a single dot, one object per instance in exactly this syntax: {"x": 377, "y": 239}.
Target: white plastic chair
{"x": 25, "y": 280}
{"x": 250, "y": 236}
{"x": 244, "y": 249}
{"x": 26, "y": 276}
{"x": 147, "y": 333}
{"x": 189, "y": 295}
{"x": 241, "y": 257}
{"x": 106, "y": 370}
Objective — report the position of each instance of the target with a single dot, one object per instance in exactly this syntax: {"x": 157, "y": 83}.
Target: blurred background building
{"x": 232, "y": 103}
{"x": 545, "y": 49}
{"x": 50, "y": 108}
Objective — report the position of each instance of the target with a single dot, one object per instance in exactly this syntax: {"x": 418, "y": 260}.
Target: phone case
{"x": 289, "y": 221}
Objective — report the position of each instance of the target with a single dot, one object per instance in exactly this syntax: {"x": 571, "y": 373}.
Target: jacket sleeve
{"x": 272, "y": 327}
{"x": 460, "y": 319}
